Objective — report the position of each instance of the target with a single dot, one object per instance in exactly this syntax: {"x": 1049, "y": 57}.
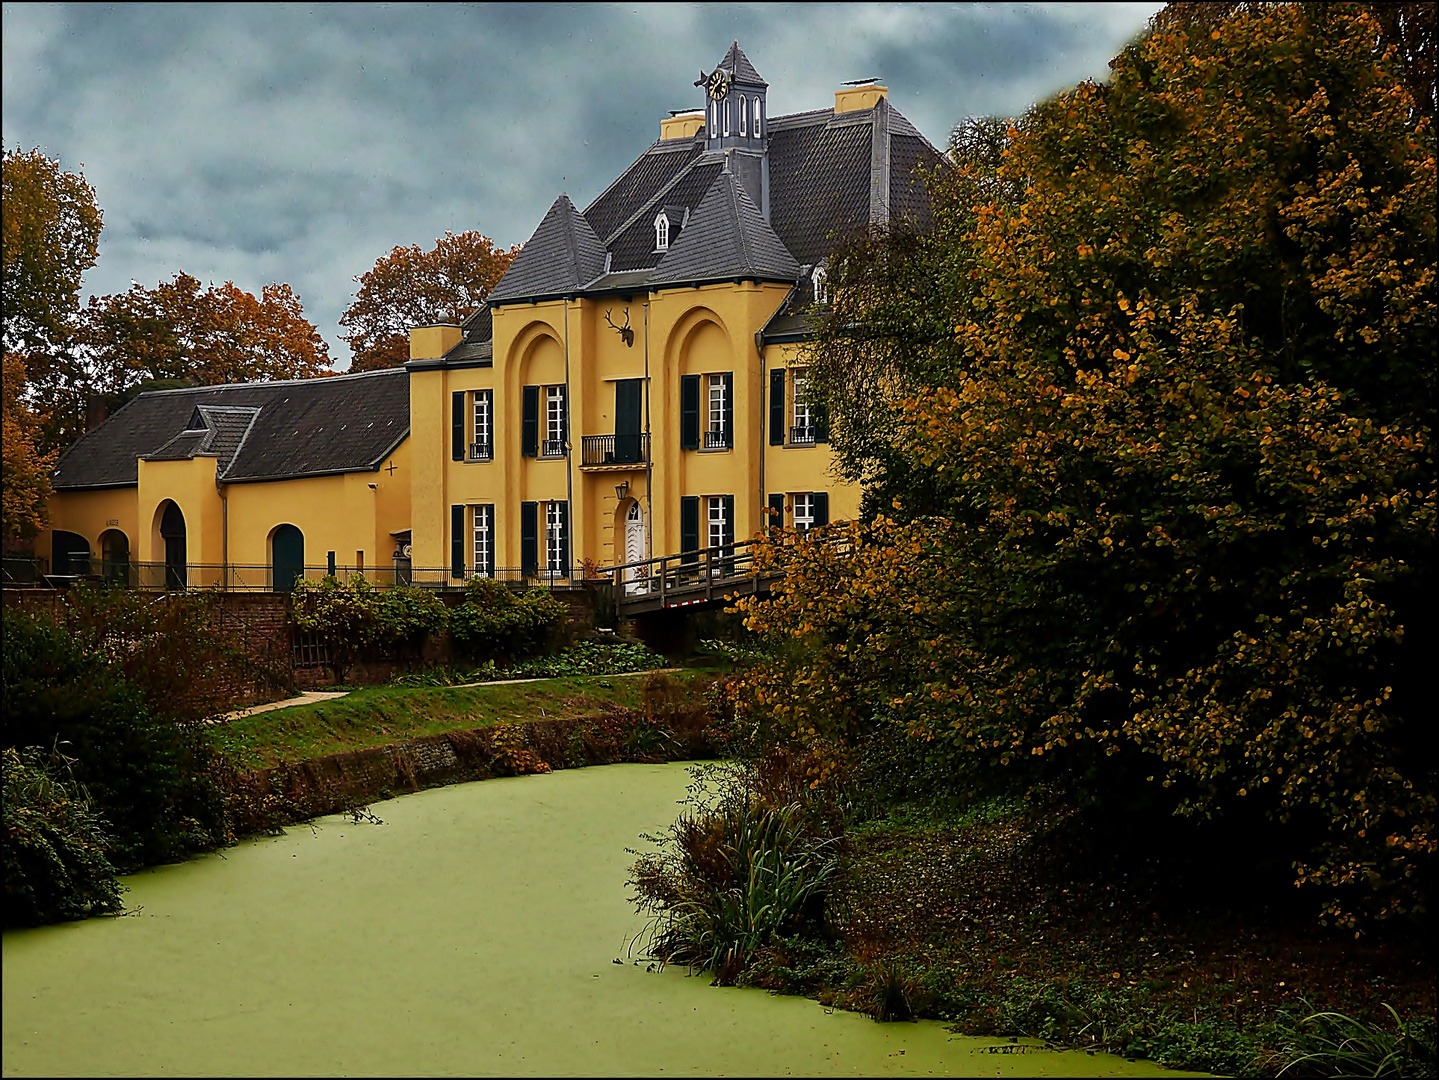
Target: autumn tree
{"x": 1147, "y": 421}
{"x": 180, "y": 330}
{"x": 26, "y": 478}
{"x": 410, "y": 287}
{"x": 51, "y": 227}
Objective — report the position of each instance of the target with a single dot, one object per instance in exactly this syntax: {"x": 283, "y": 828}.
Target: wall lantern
{"x": 621, "y": 490}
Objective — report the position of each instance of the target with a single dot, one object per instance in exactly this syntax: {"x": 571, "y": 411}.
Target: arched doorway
{"x": 172, "y": 531}
{"x": 70, "y": 553}
{"x": 287, "y": 557}
{"x": 115, "y": 556}
{"x": 635, "y": 578}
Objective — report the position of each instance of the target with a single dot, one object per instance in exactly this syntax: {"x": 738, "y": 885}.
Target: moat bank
{"x": 474, "y": 932}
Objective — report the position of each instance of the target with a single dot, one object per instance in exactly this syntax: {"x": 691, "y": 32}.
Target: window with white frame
{"x": 555, "y": 537}
{"x": 717, "y": 430}
{"x": 662, "y": 232}
{"x": 482, "y": 442}
{"x": 804, "y": 512}
{"x": 483, "y": 520}
{"x": 743, "y": 115}
{"x": 757, "y": 118}
{"x": 717, "y": 522}
{"x": 554, "y": 444}
{"x": 802, "y": 430}
{"x": 727, "y": 109}
{"x": 821, "y": 285}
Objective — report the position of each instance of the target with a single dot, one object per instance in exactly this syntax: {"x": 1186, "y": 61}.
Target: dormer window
{"x": 821, "y": 285}
{"x": 662, "y": 232}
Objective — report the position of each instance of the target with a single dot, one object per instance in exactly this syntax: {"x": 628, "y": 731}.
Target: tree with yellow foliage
{"x": 25, "y": 483}
{"x": 1147, "y": 421}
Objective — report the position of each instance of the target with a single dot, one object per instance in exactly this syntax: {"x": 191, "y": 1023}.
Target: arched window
{"x": 756, "y": 118}
{"x": 743, "y": 115}
{"x": 727, "y": 124}
{"x": 821, "y": 285}
{"x": 662, "y": 232}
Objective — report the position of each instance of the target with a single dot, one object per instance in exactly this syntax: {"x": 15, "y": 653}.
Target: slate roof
{"x": 257, "y": 431}
{"x": 828, "y": 174}
{"x": 727, "y": 237}
{"x": 563, "y": 255}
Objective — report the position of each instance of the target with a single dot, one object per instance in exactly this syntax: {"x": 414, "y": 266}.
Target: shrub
{"x": 147, "y": 774}
{"x": 346, "y": 617}
{"x": 494, "y": 621}
{"x": 407, "y": 618}
{"x": 1333, "y": 1044}
{"x": 56, "y": 864}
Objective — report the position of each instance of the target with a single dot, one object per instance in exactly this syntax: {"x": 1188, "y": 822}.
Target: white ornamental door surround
{"x": 634, "y": 546}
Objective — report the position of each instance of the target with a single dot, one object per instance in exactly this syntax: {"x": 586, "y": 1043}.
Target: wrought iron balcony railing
{"x": 803, "y": 435}
{"x": 552, "y": 448}
{"x": 481, "y": 451}
{"x": 615, "y": 449}
{"x": 717, "y": 439}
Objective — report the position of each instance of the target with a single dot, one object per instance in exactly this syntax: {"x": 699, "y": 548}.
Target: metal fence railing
{"x": 631, "y": 449}
{"x": 163, "y": 577}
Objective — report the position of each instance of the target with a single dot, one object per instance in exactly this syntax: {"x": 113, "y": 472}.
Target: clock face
{"x": 717, "y": 85}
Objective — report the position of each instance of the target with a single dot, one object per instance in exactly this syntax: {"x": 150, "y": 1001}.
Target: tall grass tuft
{"x": 733, "y": 873}
{"x": 1333, "y": 1044}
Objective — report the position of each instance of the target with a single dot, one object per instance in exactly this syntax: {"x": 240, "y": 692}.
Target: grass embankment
{"x": 1006, "y": 922}
{"x": 378, "y": 716}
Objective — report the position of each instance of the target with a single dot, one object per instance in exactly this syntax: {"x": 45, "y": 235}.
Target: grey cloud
{"x": 276, "y": 142}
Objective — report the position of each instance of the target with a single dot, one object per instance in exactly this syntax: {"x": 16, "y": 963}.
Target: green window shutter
{"x": 457, "y": 426}
{"x": 529, "y": 539}
{"x": 728, "y": 520}
{"x": 689, "y": 412}
{"x": 729, "y": 408}
{"x": 776, "y": 407}
{"x": 565, "y": 415}
{"x": 820, "y": 421}
{"x": 776, "y": 508}
{"x": 821, "y": 508}
{"x": 565, "y": 537}
{"x": 530, "y": 425}
{"x": 690, "y": 528}
{"x": 457, "y": 541}
{"x": 629, "y": 398}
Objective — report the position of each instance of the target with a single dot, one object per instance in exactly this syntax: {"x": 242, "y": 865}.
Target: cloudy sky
{"x": 299, "y": 143}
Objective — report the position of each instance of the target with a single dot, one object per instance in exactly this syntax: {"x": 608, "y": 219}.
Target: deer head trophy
{"x": 625, "y": 332}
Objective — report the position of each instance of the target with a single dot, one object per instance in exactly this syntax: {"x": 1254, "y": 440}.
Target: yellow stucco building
{"x": 634, "y": 386}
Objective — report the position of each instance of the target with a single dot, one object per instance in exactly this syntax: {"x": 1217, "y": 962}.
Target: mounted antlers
{"x": 625, "y": 333}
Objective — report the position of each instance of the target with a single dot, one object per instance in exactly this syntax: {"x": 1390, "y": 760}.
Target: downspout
{"x": 224, "y": 536}
{"x": 763, "y": 426}
{"x": 569, "y": 457}
{"x": 649, "y": 448}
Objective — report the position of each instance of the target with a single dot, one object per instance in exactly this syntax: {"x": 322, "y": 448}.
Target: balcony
{"x": 598, "y": 451}
{"x": 717, "y": 439}
{"x": 803, "y": 436}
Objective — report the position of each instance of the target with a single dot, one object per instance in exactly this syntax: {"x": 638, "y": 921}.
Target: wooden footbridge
{"x": 709, "y": 576}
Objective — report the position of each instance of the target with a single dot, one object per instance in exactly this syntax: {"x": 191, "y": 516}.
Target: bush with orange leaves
{"x": 1146, "y": 423}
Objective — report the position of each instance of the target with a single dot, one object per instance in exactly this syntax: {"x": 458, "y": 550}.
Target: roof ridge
{"x": 265, "y": 382}
{"x": 740, "y": 230}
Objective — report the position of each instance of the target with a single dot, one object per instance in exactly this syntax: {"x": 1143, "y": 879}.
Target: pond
{"x": 475, "y": 932}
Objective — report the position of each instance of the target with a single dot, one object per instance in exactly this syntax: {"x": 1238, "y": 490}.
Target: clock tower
{"x": 736, "y": 112}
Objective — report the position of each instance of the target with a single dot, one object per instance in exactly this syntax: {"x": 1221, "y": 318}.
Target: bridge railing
{"x": 688, "y": 576}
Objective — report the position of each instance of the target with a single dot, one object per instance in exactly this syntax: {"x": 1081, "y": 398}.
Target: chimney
{"x": 96, "y": 410}
{"x": 682, "y": 124}
{"x": 432, "y": 342}
{"x": 851, "y": 98}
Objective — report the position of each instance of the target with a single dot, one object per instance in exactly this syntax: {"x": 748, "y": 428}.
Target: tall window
{"x": 743, "y": 115}
{"x": 756, "y": 118}
{"x": 555, "y": 537}
{"x": 554, "y": 444}
{"x": 821, "y": 285}
{"x": 482, "y": 441}
{"x": 803, "y": 512}
{"x": 483, "y": 517}
{"x": 662, "y": 232}
{"x": 802, "y": 430}
{"x": 717, "y": 521}
{"x": 727, "y": 116}
{"x": 717, "y": 430}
